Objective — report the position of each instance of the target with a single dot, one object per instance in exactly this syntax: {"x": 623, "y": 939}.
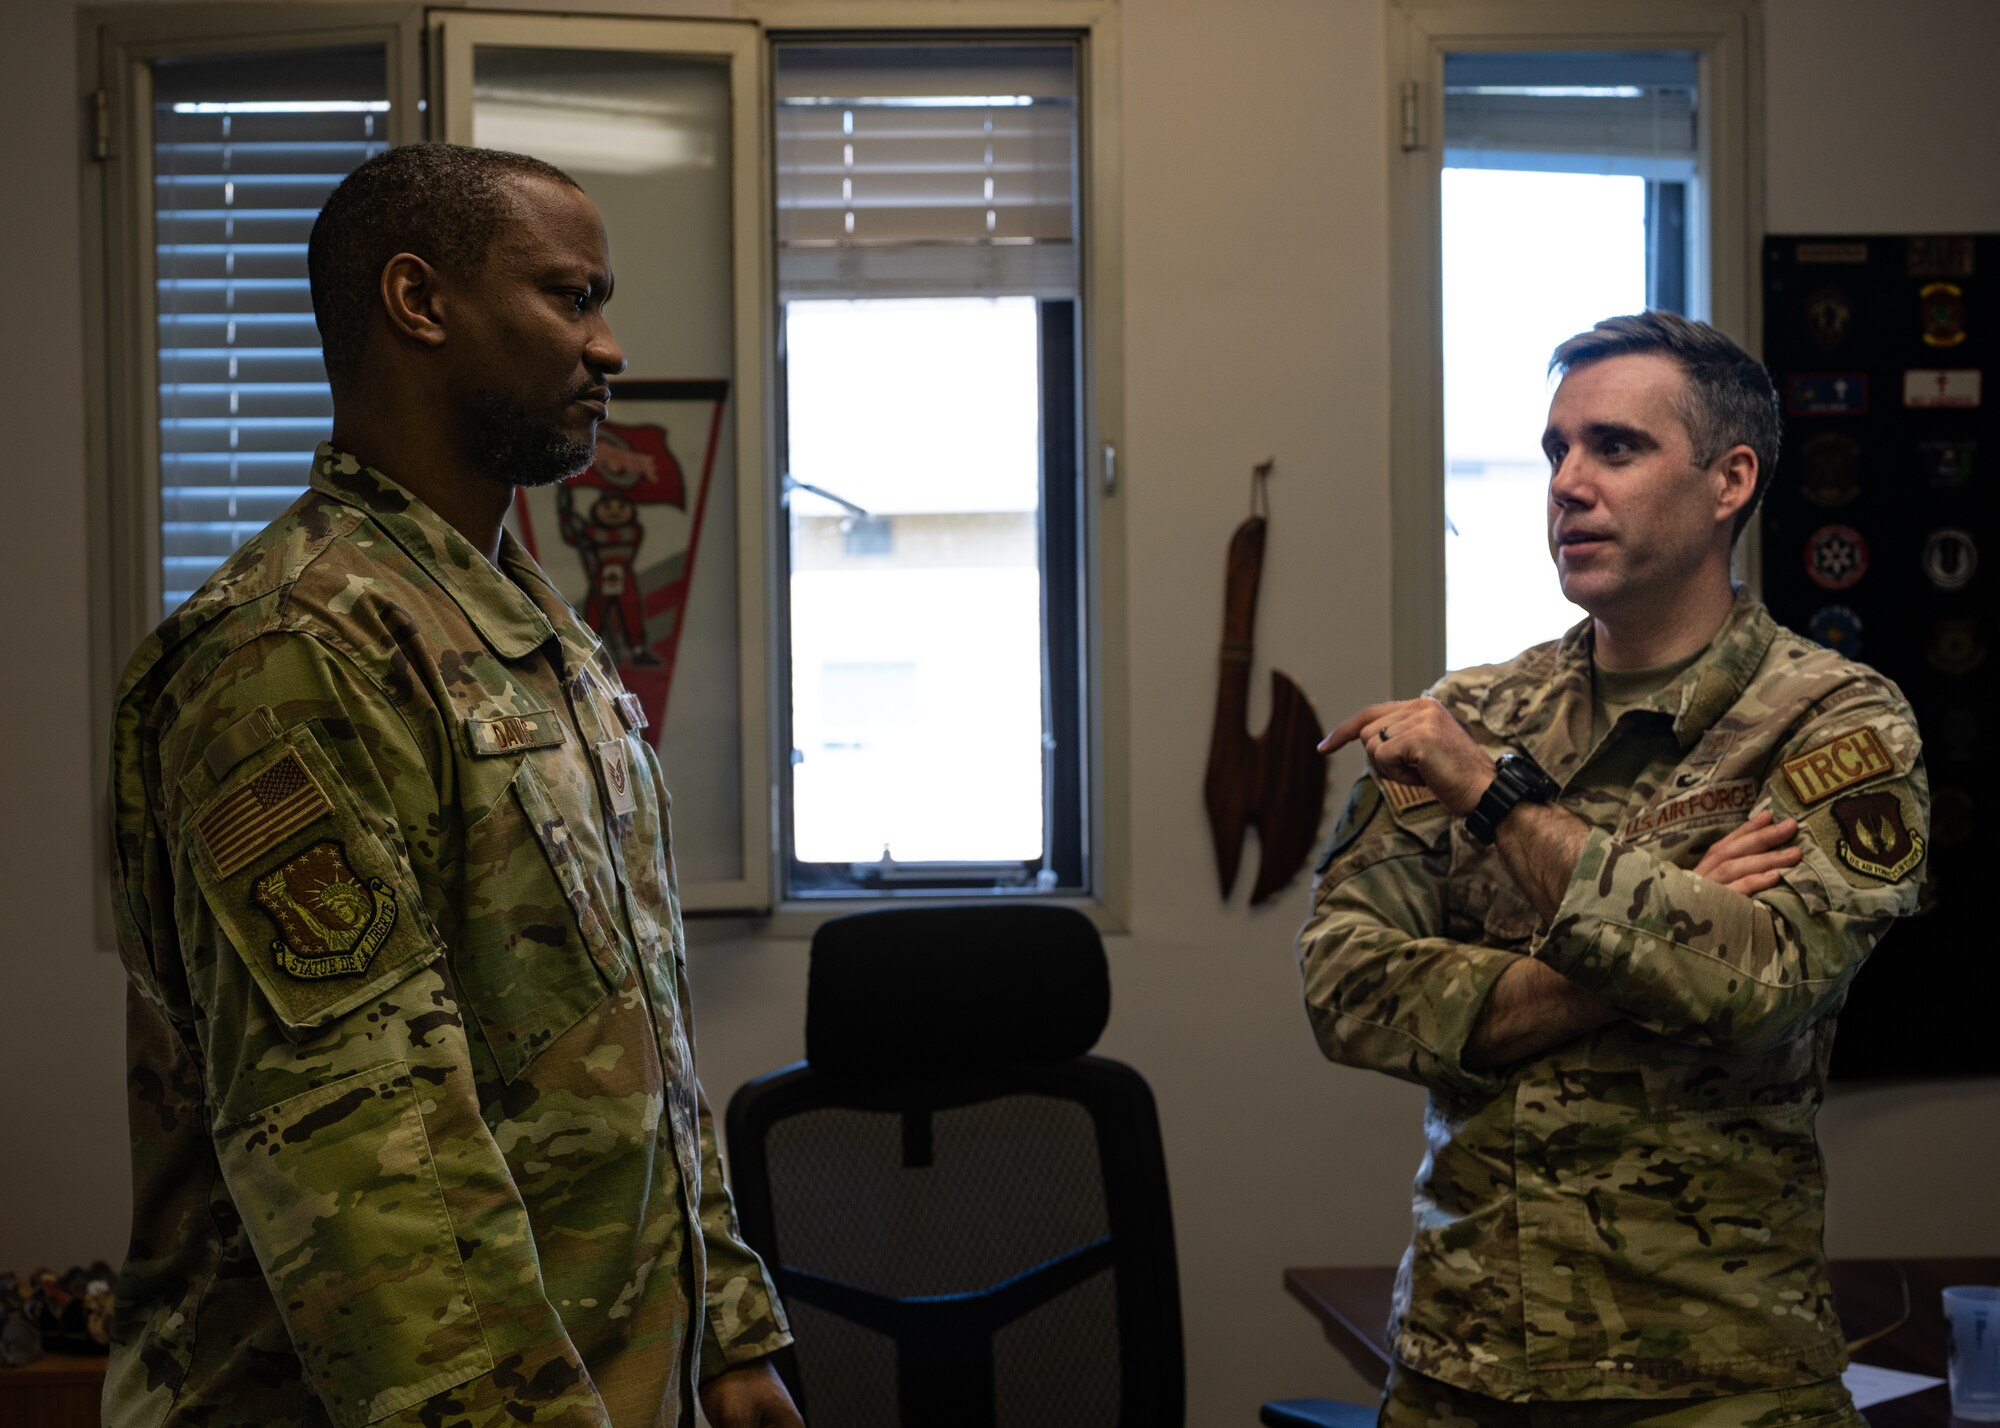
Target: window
{"x": 919, "y": 544}
{"x": 1565, "y": 192}
{"x": 928, "y": 285}
{"x": 1545, "y": 178}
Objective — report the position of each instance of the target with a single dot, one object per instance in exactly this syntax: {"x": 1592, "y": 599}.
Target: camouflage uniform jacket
{"x": 416, "y": 1131}
{"x": 1635, "y": 1214}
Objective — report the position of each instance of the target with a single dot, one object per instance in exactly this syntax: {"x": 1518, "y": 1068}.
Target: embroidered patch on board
{"x": 332, "y": 924}
{"x": 1873, "y": 837}
{"x": 1848, "y": 758}
{"x": 1405, "y": 796}
{"x": 1731, "y": 797}
{"x": 263, "y": 812}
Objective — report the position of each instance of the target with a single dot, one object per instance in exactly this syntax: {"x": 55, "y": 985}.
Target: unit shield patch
{"x": 331, "y": 923}
{"x": 1874, "y": 839}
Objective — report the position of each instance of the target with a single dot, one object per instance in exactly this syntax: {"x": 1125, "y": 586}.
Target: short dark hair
{"x": 443, "y": 202}
{"x": 1729, "y": 400}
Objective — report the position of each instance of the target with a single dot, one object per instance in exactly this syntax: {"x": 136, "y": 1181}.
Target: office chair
{"x": 965, "y": 1212}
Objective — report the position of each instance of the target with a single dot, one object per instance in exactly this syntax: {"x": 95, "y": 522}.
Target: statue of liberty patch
{"x": 332, "y": 923}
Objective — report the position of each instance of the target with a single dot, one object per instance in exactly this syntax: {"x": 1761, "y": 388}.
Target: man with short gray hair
{"x": 1604, "y": 901}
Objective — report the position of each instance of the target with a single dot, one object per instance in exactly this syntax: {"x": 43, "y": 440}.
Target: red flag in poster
{"x": 620, "y": 541}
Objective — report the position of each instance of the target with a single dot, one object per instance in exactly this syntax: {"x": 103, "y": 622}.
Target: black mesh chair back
{"x": 966, "y": 1214}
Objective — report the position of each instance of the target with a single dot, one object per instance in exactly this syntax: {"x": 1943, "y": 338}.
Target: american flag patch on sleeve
{"x": 266, "y": 810}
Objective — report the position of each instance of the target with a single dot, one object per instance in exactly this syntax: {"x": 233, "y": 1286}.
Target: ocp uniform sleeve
{"x": 1693, "y": 960}
{"x": 1385, "y": 987}
{"x": 344, "y": 1116}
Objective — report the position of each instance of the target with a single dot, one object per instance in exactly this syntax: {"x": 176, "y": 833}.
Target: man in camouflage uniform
{"x": 1619, "y": 982}
{"x": 417, "y": 1137}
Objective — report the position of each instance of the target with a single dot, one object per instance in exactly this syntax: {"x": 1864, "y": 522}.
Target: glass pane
{"x": 645, "y": 542}
{"x": 1564, "y": 201}
{"x": 1529, "y": 259}
{"x": 245, "y": 150}
{"x": 917, "y": 681}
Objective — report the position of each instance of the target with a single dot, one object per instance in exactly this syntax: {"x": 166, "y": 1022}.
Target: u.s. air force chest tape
{"x": 1861, "y": 812}
{"x": 321, "y": 911}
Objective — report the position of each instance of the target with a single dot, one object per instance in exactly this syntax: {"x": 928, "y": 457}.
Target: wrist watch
{"x": 1516, "y": 779}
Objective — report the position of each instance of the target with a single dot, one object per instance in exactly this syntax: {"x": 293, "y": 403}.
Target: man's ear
{"x": 411, "y": 299}
{"x": 1735, "y": 476}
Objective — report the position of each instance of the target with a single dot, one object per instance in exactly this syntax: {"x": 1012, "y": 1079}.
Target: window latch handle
{"x": 792, "y": 483}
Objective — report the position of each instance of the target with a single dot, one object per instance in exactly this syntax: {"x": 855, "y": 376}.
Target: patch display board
{"x": 1880, "y": 541}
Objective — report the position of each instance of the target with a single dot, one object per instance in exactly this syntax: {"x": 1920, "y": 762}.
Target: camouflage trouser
{"x": 1414, "y": 1401}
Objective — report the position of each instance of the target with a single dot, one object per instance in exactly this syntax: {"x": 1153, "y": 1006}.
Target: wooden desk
{"x": 1353, "y": 1304}
{"x": 55, "y": 1391}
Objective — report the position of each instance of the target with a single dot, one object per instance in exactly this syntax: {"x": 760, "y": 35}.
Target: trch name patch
{"x": 265, "y": 811}
{"x": 1850, "y": 757}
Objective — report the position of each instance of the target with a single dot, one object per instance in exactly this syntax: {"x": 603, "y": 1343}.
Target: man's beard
{"x": 512, "y": 444}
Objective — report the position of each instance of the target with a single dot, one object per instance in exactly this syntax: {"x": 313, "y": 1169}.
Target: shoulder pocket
{"x": 536, "y": 951}
{"x": 314, "y": 900}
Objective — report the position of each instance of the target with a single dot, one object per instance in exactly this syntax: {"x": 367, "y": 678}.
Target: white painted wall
{"x": 1257, "y": 214}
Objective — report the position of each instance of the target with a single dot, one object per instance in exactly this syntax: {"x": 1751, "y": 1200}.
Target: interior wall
{"x": 1256, "y": 206}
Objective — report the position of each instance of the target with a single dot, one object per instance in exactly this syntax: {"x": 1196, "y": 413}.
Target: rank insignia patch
{"x": 1873, "y": 837}
{"x": 265, "y": 811}
{"x": 1838, "y": 628}
{"x": 1832, "y": 462}
{"x": 1836, "y": 557}
{"x": 614, "y": 761}
{"x": 1950, "y": 558}
{"x": 331, "y": 923}
{"x": 1827, "y": 394}
{"x": 1941, "y": 310}
{"x": 1850, "y": 757}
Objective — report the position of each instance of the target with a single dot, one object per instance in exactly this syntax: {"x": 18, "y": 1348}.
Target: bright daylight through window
{"x": 1569, "y": 184}
{"x": 928, "y": 276}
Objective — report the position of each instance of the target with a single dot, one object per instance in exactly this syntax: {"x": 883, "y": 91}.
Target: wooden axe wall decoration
{"x": 1276, "y": 779}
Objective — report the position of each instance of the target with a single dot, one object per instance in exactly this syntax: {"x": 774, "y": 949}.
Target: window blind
{"x": 1574, "y": 112}
{"x": 912, "y": 170}
{"x": 246, "y": 149}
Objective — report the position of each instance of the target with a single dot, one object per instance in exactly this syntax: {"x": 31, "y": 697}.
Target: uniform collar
{"x": 1543, "y": 702}
{"x": 507, "y": 612}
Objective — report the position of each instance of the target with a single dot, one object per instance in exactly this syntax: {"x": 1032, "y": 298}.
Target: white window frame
{"x": 121, "y": 377}
{"x": 1101, "y": 375}
{"x": 1727, "y": 37}
{"x": 454, "y": 34}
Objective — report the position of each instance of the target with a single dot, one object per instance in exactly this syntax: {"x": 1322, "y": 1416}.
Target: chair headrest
{"x": 916, "y": 990}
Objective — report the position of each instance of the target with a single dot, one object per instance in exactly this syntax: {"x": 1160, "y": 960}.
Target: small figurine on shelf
{"x": 20, "y": 1339}
{"x": 46, "y": 1312}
